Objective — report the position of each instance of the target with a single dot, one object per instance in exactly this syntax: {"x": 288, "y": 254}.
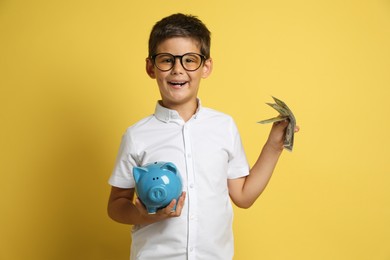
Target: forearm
{"x": 124, "y": 211}
{"x": 245, "y": 194}
{"x": 261, "y": 172}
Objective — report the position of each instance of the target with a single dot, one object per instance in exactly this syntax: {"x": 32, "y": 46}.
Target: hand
{"x": 277, "y": 134}
{"x": 165, "y": 213}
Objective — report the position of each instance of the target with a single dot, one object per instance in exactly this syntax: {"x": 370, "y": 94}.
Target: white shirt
{"x": 207, "y": 151}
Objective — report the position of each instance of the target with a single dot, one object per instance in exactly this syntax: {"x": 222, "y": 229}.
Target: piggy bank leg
{"x": 151, "y": 210}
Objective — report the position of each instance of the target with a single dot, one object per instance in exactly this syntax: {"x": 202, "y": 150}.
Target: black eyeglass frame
{"x": 180, "y": 57}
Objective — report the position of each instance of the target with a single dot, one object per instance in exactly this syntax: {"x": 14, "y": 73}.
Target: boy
{"x": 205, "y": 146}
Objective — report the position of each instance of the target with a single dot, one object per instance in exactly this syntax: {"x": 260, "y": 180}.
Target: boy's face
{"x": 178, "y": 87}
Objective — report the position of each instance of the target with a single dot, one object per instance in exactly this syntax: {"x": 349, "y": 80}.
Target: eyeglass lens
{"x": 189, "y": 61}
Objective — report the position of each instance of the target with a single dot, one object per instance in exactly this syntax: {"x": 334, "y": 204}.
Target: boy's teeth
{"x": 178, "y": 83}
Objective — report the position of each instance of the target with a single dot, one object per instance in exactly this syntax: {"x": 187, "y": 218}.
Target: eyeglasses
{"x": 189, "y": 61}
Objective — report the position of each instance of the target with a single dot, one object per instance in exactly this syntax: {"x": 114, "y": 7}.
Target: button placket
{"x": 191, "y": 193}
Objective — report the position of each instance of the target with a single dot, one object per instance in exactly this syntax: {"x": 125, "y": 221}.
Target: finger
{"x": 170, "y": 208}
{"x": 296, "y": 129}
{"x": 173, "y": 211}
{"x": 180, "y": 203}
{"x": 183, "y": 196}
{"x": 281, "y": 124}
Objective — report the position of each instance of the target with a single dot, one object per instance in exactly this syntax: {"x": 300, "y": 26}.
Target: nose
{"x": 177, "y": 67}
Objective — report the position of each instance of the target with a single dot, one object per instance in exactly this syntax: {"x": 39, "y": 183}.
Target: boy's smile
{"x": 177, "y": 84}
{"x": 179, "y": 87}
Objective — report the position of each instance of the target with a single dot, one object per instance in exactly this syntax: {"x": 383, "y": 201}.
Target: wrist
{"x": 273, "y": 148}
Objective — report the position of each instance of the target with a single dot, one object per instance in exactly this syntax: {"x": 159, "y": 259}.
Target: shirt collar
{"x": 169, "y": 115}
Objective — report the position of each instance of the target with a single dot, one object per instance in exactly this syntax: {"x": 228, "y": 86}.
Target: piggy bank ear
{"x": 138, "y": 172}
{"x": 170, "y": 167}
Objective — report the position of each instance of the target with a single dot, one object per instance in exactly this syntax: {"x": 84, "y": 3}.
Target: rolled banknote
{"x": 284, "y": 114}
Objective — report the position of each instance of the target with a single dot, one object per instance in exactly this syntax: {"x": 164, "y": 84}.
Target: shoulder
{"x": 134, "y": 131}
{"x": 217, "y": 116}
{"x": 139, "y": 125}
{"x": 209, "y": 112}
{"x": 218, "y": 122}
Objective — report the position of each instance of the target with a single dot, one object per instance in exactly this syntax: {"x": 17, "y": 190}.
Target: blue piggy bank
{"x": 157, "y": 184}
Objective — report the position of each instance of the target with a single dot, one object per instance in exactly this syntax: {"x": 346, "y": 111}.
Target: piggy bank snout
{"x": 157, "y": 194}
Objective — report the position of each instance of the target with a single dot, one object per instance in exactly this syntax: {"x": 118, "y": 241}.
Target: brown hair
{"x": 180, "y": 25}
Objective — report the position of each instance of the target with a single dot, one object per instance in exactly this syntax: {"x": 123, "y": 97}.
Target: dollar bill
{"x": 284, "y": 114}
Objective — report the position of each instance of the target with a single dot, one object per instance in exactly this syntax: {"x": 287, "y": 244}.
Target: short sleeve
{"x": 238, "y": 164}
{"x": 122, "y": 176}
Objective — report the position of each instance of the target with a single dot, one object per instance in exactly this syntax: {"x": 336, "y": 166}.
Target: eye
{"x": 191, "y": 58}
{"x": 164, "y": 59}
{"x": 167, "y": 60}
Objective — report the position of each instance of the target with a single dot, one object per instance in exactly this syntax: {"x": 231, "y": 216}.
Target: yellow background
{"x": 72, "y": 79}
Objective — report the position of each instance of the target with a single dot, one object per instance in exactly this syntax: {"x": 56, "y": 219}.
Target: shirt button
{"x": 191, "y": 185}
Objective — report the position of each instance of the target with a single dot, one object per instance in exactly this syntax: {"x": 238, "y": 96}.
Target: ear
{"x": 150, "y": 68}
{"x": 207, "y": 68}
{"x": 170, "y": 167}
{"x": 138, "y": 172}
